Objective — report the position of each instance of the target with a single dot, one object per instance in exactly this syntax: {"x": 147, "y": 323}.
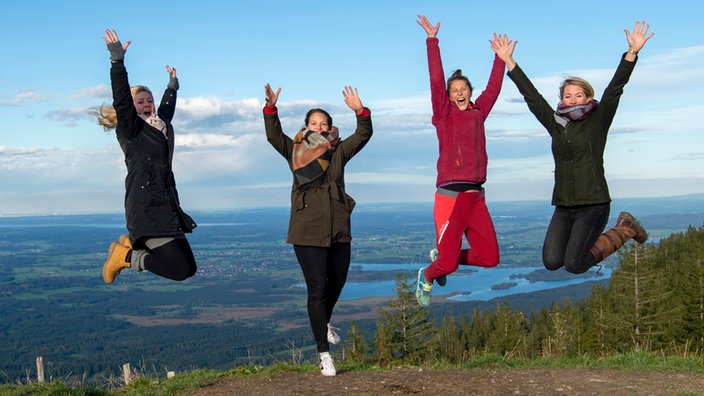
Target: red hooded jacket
{"x": 461, "y": 137}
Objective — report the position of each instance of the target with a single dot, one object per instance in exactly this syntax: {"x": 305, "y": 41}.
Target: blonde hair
{"x": 580, "y": 82}
{"x": 107, "y": 116}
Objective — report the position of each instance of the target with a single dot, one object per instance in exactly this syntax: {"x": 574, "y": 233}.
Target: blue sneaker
{"x": 442, "y": 281}
{"x": 423, "y": 289}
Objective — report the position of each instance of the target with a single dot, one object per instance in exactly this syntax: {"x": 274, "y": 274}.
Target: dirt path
{"x": 463, "y": 382}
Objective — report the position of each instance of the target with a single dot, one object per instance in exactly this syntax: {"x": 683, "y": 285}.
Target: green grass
{"x": 148, "y": 385}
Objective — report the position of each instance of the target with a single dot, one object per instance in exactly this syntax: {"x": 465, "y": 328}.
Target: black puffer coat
{"x": 152, "y": 206}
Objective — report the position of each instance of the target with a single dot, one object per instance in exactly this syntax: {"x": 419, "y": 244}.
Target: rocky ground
{"x": 462, "y": 382}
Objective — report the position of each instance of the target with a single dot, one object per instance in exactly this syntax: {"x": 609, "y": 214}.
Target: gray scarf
{"x": 564, "y": 114}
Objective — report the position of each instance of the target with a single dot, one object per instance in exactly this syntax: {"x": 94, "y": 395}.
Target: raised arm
{"x": 504, "y": 49}
{"x": 637, "y": 39}
{"x": 167, "y": 107}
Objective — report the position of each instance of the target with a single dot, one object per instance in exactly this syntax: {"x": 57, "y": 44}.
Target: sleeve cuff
{"x": 365, "y": 112}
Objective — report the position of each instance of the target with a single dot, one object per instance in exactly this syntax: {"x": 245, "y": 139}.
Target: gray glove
{"x": 117, "y": 53}
{"x": 173, "y": 83}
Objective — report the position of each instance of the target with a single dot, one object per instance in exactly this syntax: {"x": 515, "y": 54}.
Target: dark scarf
{"x": 564, "y": 114}
{"x": 311, "y": 154}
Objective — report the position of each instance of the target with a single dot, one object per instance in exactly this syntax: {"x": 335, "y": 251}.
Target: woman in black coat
{"x": 155, "y": 221}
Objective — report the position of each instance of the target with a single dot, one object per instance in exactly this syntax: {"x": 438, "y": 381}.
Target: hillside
{"x": 245, "y": 295}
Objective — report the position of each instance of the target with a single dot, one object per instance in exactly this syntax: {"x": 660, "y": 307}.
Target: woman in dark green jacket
{"x": 578, "y": 129}
{"x": 319, "y": 226}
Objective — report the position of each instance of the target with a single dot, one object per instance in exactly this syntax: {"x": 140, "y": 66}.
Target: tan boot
{"x": 627, "y": 227}
{"x": 125, "y": 241}
{"x": 116, "y": 261}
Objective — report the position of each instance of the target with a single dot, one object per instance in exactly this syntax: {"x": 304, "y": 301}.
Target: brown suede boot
{"x": 116, "y": 262}
{"x": 631, "y": 227}
{"x": 627, "y": 227}
{"x": 125, "y": 241}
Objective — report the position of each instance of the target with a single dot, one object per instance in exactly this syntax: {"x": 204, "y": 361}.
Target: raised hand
{"x": 431, "y": 30}
{"x": 116, "y": 49}
{"x": 270, "y": 96}
{"x": 637, "y": 39}
{"x": 504, "y": 49}
{"x": 173, "y": 81}
{"x": 352, "y": 99}
{"x": 171, "y": 71}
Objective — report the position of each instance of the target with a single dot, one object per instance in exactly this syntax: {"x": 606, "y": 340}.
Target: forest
{"x": 654, "y": 302}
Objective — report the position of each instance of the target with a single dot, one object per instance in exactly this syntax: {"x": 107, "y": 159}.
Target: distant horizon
{"x": 359, "y": 205}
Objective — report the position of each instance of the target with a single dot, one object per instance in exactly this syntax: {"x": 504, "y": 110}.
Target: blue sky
{"x": 55, "y": 159}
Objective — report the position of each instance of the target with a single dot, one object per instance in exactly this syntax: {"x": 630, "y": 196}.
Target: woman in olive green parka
{"x": 319, "y": 226}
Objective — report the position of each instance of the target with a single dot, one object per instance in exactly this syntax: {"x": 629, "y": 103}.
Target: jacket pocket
{"x": 350, "y": 203}
{"x": 299, "y": 202}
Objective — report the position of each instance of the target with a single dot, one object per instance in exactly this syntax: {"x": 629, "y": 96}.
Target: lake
{"x": 474, "y": 283}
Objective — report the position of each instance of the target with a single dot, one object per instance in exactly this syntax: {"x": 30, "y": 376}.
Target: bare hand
{"x": 270, "y": 96}
{"x": 352, "y": 99}
{"x": 637, "y": 39}
{"x": 504, "y": 49}
{"x": 431, "y": 30}
{"x": 171, "y": 71}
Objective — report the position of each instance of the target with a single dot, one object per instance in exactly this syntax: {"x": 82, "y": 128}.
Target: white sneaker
{"x": 327, "y": 366}
{"x": 333, "y": 337}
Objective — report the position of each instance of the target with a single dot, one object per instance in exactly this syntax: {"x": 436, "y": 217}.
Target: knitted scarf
{"x": 311, "y": 154}
{"x": 565, "y": 114}
{"x": 156, "y": 122}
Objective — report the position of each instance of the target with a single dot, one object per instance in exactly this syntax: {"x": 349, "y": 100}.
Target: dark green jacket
{"x": 578, "y": 148}
{"x": 321, "y": 209}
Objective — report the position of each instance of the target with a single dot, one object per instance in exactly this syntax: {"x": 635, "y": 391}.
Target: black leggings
{"x": 325, "y": 271}
{"x": 173, "y": 260}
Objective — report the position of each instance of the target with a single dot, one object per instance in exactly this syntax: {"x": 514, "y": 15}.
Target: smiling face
{"x": 144, "y": 103}
{"x": 460, "y": 94}
{"x": 574, "y": 95}
{"x": 318, "y": 122}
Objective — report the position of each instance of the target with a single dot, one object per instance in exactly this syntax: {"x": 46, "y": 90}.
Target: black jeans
{"x": 325, "y": 271}
{"x": 572, "y": 231}
{"x": 173, "y": 260}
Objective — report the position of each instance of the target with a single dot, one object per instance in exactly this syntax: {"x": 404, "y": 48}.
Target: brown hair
{"x": 457, "y": 76}
{"x": 321, "y": 111}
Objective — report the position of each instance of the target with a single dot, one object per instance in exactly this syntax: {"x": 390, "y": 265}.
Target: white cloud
{"x": 222, "y": 157}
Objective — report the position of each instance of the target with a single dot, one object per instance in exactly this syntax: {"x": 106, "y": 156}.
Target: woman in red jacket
{"x": 460, "y": 206}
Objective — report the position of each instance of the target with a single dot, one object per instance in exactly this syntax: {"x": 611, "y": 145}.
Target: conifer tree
{"x": 595, "y": 321}
{"x": 508, "y": 335}
{"x": 383, "y": 352}
{"x": 450, "y": 346}
{"x": 539, "y": 332}
{"x": 635, "y": 294}
{"x": 356, "y": 344}
{"x": 407, "y": 329}
{"x": 475, "y": 334}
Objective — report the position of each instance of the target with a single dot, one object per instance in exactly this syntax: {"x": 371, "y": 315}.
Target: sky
{"x": 54, "y": 69}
